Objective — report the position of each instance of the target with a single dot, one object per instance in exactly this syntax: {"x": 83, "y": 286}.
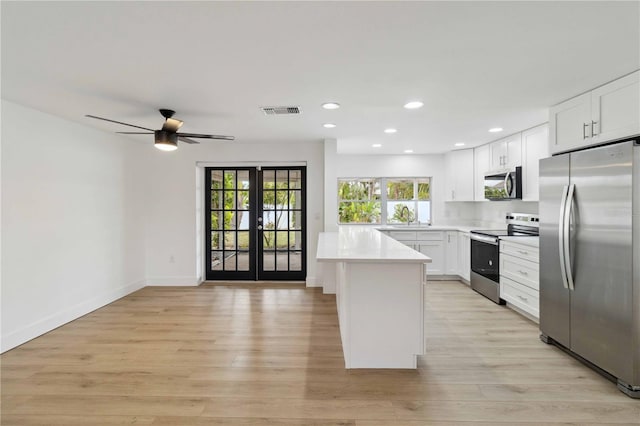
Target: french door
{"x": 256, "y": 223}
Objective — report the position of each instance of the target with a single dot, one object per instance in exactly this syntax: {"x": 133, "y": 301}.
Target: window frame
{"x": 384, "y": 214}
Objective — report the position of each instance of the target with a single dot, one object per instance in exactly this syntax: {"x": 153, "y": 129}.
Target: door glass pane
{"x": 269, "y": 240}
{"x": 216, "y": 179}
{"x": 230, "y": 261}
{"x": 216, "y": 260}
{"x": 216, "y": 200}
{"x": 295, "y": 240}
{"x": 243, "y": 240}
{"x": 230, "y": 179}
{"x": 229, "y": 200}
{"x": 229, "y": 220}
{"x": 282, "y": 178}
{"x": 295, "y": 199}
{"x": 295, "y": 179}
{"x": 268, "y": 199}
{"x": 268, "y": 179}
{"x": 216, "y": 240}
{"x": 216, "y": 220}
{"x": 243, "y": 200}
{"x": 295, "y": 220}
{"x": 282, "y": 198}
{"x": 243, "y": 179}
{"x": 269, "y": 261}
{"x": 242, "y": 220}
{"x": 282, "y": 240}
{"x": 243, "y": 261}
{"x": 230, "y": 240}
{"x": 295, "y": 261}
{"x": 282, "y": 261}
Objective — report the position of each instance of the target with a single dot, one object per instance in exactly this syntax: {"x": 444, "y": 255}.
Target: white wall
{"x": 72, "y": 221}
{"x": 172, "y": 244}
{"x": 386, "y": 166}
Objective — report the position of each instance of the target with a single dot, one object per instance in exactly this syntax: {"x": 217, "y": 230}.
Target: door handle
{"x": 566, "y": 232}
{"x": 584, "y": 130}
{"x": 593, "y": 128}
{"x": 563, "y": 269}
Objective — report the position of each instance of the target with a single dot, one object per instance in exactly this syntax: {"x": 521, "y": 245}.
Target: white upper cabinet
{"x": 482, "y": 164}
{"x": 506, "y": 153}
{"x": 459, "y": 176}
{"x": 568, "y": 123}
{"x": 615, "y": 109}
{"x": 607, "y": 113}
{"x": 535, "y": 145}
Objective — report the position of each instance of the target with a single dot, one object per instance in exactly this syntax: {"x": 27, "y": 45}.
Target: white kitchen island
{"x": 379, "y": 286}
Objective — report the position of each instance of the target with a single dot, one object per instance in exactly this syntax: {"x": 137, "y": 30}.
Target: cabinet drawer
{"x": 430, "y": 235}
{"x": 520, "y": 250}
{"x": 522, "y": 271}
{"x": 403, "y": 235}
{"x": 520, "y": 296}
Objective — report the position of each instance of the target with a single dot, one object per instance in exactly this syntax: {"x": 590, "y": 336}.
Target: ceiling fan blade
{"x": 118, "y": 122}
{"x": 200, "y": 136}
{"x": 187, "y": 140}
{"x": 172, "y": 125}
{"x": 135, "y": 133}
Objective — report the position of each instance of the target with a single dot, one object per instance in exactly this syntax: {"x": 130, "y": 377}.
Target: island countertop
{"x": 364, "y": 244}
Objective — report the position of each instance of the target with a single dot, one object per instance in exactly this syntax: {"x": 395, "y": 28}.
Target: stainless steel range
{"x": 485, "y": 252}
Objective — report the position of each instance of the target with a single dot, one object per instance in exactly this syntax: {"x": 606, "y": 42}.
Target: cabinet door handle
{"x": 593, "y": 128}
{"x": 523, "y": 272}
{"x": 586, "y": 134}
{"x": 523, "y": 252}
{"x": 523, "y": 298}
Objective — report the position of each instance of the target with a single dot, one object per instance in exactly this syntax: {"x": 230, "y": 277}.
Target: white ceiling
{"x": 475, "y": 65}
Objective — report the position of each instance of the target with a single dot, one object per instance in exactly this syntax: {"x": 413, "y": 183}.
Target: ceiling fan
{"x": 167, "y": 138}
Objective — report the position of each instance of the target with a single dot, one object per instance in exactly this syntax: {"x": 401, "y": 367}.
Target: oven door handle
{"x": 484, "y": 239}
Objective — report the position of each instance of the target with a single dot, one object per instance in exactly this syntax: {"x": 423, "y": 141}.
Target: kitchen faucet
{"x": 405, "y": 208}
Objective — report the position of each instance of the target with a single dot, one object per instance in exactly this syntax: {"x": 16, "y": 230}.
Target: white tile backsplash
{"x": 490, "y": 214}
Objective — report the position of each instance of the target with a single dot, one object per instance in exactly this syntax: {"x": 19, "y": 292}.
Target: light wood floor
{"x": 271, "y": 355}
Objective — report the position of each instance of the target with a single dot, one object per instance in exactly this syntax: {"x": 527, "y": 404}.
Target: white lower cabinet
{"x": 519, "y": 277}
{"x": 451, "y": 253}
{"x": 435, "y": 250}
{"x": 464, "y": 255}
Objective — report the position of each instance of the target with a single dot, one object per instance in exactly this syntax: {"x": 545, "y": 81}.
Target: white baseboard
{"x": 174, "y": 281}
{"x": 40, "y": 327}
{"x": 313, "y": 282}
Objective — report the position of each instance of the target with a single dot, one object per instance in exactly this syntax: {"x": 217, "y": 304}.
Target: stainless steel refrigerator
{"x": 590, "y": 258}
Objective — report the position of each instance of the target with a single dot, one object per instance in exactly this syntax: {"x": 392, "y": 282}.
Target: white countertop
{"x": 364, "y": 244}
{"x": 428, "y": 228}
{"x": 527, "y": 241}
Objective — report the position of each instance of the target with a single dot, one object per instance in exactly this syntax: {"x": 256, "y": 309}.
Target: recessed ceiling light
{"x": 459, "y": 144}
{"x": 390, "y": 130}
{"x": 408, "y": 151}
{"x": 330, "y": 105}
{"x": 376, "y": 145}
{"x": 495, "y": 129}
{"x": 413, "y": 105}
{"x": 329, "y": 125}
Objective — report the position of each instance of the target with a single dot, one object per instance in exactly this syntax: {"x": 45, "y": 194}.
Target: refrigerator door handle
{"x": 561, "y": 251}
{"x": 566, "y": 234}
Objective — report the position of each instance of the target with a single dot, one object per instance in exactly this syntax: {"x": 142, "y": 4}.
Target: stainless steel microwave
{"x": 503, "y": 185}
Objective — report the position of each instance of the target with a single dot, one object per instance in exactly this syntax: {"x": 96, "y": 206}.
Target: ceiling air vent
{"x": 281, "y": 110}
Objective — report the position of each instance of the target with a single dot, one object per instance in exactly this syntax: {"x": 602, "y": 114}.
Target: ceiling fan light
{"x": 166, "y": 141}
